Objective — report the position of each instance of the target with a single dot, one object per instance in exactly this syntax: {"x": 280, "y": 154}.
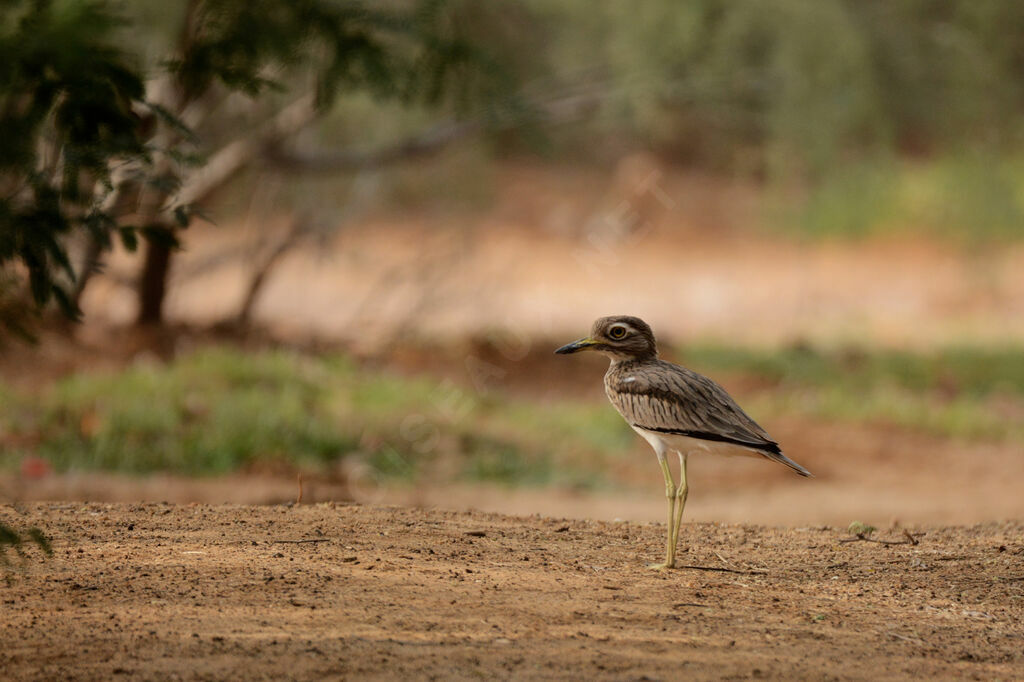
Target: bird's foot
{"x": 662, "y": 566}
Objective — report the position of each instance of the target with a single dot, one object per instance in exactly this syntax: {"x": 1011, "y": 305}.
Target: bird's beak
{"x": 577, "y": 346}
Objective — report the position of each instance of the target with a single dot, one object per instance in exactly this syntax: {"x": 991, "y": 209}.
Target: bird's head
{"x": 620, "y": 337}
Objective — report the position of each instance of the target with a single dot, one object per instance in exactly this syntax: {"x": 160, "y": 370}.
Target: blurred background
{"x": 323, "y": 250}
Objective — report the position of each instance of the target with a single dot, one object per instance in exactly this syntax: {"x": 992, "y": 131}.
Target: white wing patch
{"x": 684, "y": 445}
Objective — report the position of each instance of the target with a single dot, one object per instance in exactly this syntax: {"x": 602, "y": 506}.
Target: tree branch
{"x": 225, "y": 163}
{"x": 423, "y": 144}
{"x": 296, "y": 233}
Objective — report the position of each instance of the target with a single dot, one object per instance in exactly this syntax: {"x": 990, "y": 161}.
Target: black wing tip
{"x": 798, "y": 468}
{"x": 776, "y": 454}
{"x": 804, "y": 472}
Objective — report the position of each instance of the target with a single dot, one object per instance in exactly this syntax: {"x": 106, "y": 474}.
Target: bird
{"x": 673, "y": 408}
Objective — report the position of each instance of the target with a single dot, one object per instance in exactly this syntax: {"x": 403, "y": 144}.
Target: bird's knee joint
{"x": 682, "y": 491}
{"x": 670, "y": 491}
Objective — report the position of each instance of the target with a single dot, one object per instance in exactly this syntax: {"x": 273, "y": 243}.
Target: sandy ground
{"x": 369, "y": 592}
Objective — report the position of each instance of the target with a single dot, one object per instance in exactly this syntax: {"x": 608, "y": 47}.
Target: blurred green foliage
{"x": 858, "y": 116}
{"x": 108, "y": 109}
{"x": 861, "y": 116}
{"x": 969, "y": 199}
{"x": 66, "y": 97}
{"x": 795, "y": 86}
{"x": 221, "y": 410}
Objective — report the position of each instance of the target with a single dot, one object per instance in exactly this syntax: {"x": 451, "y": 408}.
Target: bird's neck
{"x": 626, "y": 361}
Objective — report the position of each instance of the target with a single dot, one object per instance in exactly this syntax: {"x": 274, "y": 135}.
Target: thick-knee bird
{"x": 673, "y": 408}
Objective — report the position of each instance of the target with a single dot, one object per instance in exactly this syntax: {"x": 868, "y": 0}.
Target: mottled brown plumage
{"x": 673, "y": 408}
{"x": 658, "y": 396}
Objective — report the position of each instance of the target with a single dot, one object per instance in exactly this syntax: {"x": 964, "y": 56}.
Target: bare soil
{"x": 153, "y": 591}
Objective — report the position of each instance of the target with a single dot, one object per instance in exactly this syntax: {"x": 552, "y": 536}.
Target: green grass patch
{"x": 967, "y": 199}
{"x": 222, "y": 410}
{"x": 212, "y": 412}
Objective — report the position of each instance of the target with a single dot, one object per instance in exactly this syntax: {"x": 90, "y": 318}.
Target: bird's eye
{"x": 617, "y": 332}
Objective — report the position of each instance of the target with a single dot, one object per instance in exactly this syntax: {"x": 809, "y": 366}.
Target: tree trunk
{"x": 153, "y": 283}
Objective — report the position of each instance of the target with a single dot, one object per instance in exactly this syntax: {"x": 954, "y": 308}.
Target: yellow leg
{"x": 670, "y": 540}
{"x": 682, "y": 490}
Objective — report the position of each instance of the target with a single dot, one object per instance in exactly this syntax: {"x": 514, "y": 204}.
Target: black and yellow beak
{"x": 577, "y": 346}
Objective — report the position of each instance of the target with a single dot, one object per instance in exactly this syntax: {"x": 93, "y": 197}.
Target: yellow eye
{"x": 617, "y": 332}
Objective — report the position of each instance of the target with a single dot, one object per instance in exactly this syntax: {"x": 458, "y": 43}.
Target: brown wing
{"x": 673, "y": 399}
{"x": 662, "y": 397}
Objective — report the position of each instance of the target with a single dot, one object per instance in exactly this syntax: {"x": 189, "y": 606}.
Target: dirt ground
{"x": 372, "y": 592}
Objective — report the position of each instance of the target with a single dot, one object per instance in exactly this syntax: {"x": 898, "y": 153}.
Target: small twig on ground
{"x": 862, "y": 533}
{"x": 298, "y": 499}
{"x": 724, "y": 570}
{"x": 912, "y": 640}
{"x": 299, "y": 542}
{"x": 911, "y": 539}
